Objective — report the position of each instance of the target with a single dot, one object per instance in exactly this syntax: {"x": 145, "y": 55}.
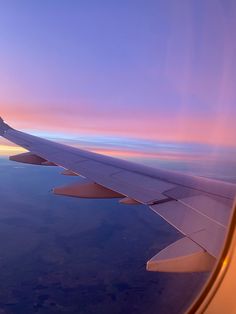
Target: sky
{"x": 156, "y": 70}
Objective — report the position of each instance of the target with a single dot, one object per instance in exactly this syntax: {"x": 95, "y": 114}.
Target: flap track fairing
{"x": 183, "y": 255}
{"x": 86, "y": 190}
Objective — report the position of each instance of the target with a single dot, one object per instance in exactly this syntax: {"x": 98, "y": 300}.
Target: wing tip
{"x": 3, "y": 126}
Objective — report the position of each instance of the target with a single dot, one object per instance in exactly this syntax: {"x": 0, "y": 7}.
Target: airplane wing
{"x": 199, "y": 208}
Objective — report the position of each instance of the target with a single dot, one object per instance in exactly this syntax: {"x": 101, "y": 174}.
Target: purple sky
{"x": 162, "y": 70}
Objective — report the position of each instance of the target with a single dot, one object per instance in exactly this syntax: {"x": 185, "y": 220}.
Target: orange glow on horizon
{"x": 7, "y": 150}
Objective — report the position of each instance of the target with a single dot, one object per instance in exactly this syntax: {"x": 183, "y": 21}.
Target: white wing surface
{"x": 199, "y": 208}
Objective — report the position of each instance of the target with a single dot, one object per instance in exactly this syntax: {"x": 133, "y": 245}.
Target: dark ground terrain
{"x": 68, "y": 255}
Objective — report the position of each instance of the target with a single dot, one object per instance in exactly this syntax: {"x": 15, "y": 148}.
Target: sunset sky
{"x": 154, "y": 70}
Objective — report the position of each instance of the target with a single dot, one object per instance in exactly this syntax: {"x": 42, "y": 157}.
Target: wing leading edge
{"x": 199, "y": 208}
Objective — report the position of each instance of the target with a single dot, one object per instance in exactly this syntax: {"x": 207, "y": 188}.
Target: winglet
{"x": 3, "y": 126}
